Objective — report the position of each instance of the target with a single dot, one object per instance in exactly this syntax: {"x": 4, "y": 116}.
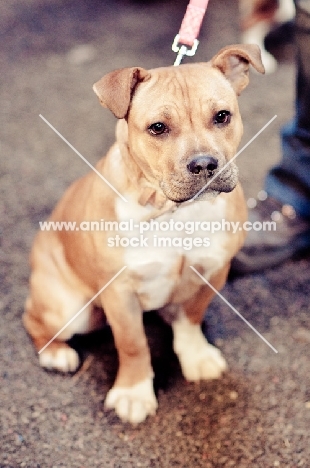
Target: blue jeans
{"x": 289, "y": 181}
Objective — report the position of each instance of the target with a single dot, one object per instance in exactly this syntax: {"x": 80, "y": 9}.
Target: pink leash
{"x": 189, "y": 31}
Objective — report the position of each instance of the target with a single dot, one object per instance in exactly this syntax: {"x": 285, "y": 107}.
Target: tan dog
{"x": 179, "y": 128}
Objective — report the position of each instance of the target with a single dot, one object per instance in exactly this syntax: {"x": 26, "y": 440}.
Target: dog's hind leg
{"x": 50, "y": 307}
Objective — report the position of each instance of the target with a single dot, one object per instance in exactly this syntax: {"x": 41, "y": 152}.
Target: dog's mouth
{"x": 180, "y": 191}
{"x": 203, "y": 195}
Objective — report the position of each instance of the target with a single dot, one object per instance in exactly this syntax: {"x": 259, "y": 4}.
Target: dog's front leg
{"x": 199, "y": 360}
{"x": 132, "y": 395}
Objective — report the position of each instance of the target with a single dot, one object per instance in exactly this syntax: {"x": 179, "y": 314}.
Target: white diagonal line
{"x": 236, "y": 155}
{"x": 233, "y": 309}
{"x": 83, "y": 308}
{"x": 82, "y": 157}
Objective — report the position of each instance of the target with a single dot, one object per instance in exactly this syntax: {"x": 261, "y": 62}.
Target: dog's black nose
{"x": 202, "y": 163}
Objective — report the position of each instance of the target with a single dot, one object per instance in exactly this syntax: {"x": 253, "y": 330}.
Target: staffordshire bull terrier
{"x": 179, "y": 127}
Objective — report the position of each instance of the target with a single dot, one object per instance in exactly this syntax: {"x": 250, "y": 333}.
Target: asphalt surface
{"x": 258, "y": 414}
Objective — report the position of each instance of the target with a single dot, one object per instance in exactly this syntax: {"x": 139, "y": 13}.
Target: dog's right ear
{"x": 115, "y": 89}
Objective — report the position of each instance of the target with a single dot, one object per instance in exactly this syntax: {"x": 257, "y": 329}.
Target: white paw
{"x": 204, "y": 362}
{"x": 64, "y": 359}
{"x": 199, "y": 360}
{"x": 133, "y": 404}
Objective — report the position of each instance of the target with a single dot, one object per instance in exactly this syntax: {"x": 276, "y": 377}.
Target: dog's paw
{"x": 199, "y": 360}
{"x": 133, "y": 404}
{"x": 203, "y": 363}
{"x": 61, "y": 358}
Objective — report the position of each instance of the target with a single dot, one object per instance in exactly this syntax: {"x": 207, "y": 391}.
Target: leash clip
{"x": 182, "y": 50}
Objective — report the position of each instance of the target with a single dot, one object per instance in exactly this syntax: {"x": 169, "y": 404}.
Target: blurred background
{"x": 258, "y": 415}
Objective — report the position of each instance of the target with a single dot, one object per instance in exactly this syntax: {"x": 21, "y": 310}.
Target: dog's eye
{"x": 222, "y": 117}
{"x": 158, "y": 128}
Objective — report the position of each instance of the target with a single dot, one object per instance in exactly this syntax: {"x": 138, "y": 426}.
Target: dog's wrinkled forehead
{"x": 175, "y": 90}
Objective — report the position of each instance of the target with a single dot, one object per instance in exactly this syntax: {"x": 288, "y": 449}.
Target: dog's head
{"x": 184, "y": 124}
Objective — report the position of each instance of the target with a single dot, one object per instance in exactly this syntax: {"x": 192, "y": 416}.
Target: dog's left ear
{"x": 115, "y": 89}
{"x": 234, "y": 62}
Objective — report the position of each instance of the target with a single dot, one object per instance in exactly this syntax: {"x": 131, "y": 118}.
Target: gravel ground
{"x": 258, "y": 414}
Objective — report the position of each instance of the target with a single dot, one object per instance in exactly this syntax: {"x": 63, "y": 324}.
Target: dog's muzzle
{"x": 204, "y": 177}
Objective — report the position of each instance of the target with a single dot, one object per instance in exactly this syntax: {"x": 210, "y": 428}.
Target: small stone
{"x": 307, "y": 404}
{"x": 233, "y": 395}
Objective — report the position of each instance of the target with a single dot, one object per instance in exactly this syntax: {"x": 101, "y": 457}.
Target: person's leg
{"x": 289, "y": 181}
{"x": 286, "y": 201}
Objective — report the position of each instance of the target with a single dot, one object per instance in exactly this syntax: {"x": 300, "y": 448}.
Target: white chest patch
{"x": 165, "y": 247}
